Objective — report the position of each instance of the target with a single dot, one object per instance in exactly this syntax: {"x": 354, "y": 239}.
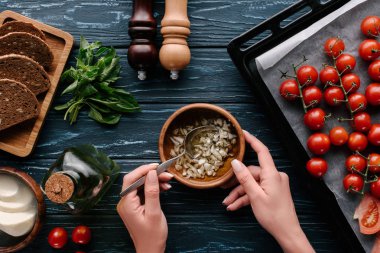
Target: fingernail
{"x": 154, "y": 164}
{"x": 228, "y": 208}
{"x": 168, "y": 186}
{"x": 152, "y": 176}
{"x": 245, "y": 131}
{"x": 236, "y": 165}
{"x": 225, "y": 200}
{"x": 170, "y": 174}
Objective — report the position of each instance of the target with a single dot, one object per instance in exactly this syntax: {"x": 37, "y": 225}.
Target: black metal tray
{"x": 243, "y": 57}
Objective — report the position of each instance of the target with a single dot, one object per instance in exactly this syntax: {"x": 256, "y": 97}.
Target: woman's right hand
{"x": 268, "y": 193}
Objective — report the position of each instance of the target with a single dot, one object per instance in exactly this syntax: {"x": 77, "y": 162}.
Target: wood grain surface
{"x": 197, "y": 220}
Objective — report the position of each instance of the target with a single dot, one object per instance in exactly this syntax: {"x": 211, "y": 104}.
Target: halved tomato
{"x": 368, "y": 213}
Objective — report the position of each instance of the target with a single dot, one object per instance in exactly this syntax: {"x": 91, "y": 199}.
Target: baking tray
{"x": 21, "y": 139}
{"x": 244, "y": 50}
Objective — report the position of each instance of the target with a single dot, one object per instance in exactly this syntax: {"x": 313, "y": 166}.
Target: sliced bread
{"x": 17, "y": 103}
{"x": 26, "y": 71}
{"x": 19, "y": 26}
{"x": 28, "y": 45}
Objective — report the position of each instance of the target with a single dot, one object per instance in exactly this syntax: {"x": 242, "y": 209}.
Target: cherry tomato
{"x": 307, "y": 75}
{"x": 334, "y": 96}
{"x": 356, "y": 162}
{"x": 374, "y": 70}
{"x": 334, "y": 46}
{"x": 374, "y": 162}
{"x": 338, "y": 136}
{"x": 375, "y": 188}
{"x": 289, "y": 90}
{"x": 353, "y": 182}
{"x": 329, "y": 75}
{"x": 351, "y": 82}
{"x": 362, "y": 122}
{"x": 370, "y": 26}
{"x": 372, "y": 93}
{"x": 345, "y": 63}
{"x": 357, "y": 141}
{"x": 357, "y": 102}
{"x": 374, "y": 135}
{"x": 369, "y": 50}
{"x": 318, "y": 143}
{"x": 57, "y": 238}
{"x": 316, "y": 166}
{"x": 314, "y": 119}
{"x": 81, "y": 235}
{"x": 312, "y": 95}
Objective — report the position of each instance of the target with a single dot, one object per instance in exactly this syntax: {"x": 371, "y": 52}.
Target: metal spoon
{"x": 188, "y": 144}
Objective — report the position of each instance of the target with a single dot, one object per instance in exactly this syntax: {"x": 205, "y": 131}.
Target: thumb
{"x": 245, "y": 178}
{"x": 152, "y": 195}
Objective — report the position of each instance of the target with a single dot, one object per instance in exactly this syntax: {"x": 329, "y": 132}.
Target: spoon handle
{"x": 161, "y": 168}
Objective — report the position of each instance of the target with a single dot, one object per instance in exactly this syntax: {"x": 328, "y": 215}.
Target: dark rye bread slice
{"x": 19, "y": 26}
{"x": 26, "y": 71}
{"x": 17, "y": 103}
{"x": 28, "y": 45}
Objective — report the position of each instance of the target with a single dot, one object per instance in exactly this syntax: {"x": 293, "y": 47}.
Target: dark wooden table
{"x": 197, "y": 220}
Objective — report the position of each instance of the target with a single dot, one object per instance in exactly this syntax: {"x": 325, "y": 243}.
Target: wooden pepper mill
{"x": 142, "y": 53}
{"x": 175, "y": 53}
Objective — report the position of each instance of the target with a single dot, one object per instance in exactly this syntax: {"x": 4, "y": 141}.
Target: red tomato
{"x": 329, "y": 75}
{"x": 316, "y": 166}
{"x": 356, "y": 162}
{"x": 369, "y": 50}
{"x": 334, "y": 46}
{"x": 334, "y": 96}
{"x": 372, "y": 93}
{"x": 289, "y": 90}
{"x": 370, "y": 26}
{"x": 81, "y": 235}
{"x": 338, "y": 136}
{"x": 351, "y": 82}
{"x": 374, "y": 70}
{"x": 375, "y": 188}
{"x": 357, "y": 141}
{"x": 368, "y": 214}
{"x": 353, "y": 182}
{"x": 312, "y": 95}
{"x": 362, "y": 122}
{"x": 374, "y": 162}
{"x": 357, "y": 102}
{"x": 314, "y": 119}
{"x": 374, "y": 135}
{"x": 318, "y": 143}
{"x": 345, "y": 63}
{"x": 307, "y": 75}
{"x": 57, "y": 238}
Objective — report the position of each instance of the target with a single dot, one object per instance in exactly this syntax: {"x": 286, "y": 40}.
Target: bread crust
{"x": 20, "y": 26}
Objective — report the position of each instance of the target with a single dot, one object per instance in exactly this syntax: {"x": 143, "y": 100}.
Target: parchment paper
{"x": 348, "y": 27}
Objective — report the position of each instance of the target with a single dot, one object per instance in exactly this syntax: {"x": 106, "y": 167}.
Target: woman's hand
{"x": 146, "y": 222}
{"x": 268, "y": 193}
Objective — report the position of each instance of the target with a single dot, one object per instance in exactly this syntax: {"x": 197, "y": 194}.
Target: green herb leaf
{"x": 109, "y": 118}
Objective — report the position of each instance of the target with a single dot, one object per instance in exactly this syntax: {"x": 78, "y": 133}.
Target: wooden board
{"x": 21, "y": 139}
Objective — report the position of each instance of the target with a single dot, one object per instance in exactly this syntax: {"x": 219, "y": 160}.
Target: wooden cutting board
{"x": 21, "y": 139}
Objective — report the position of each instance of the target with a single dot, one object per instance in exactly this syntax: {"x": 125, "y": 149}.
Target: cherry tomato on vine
{"x": 375, "y": 188}
{"x": 362, "y": 122}
{"x": 318, "y": 143}
{"x": 353, "y": 182}
{"x": 307, "y": 75}
{"x": 372, "y": 93}
{"x": 334, "y": 96}
{"x": 316, "y": 166}
{"x": 334, "y": 46}
{"x": 289, "y": 90}
{"x": 329, "y": 75}
{"x": 356, "y": 162}
{"x": 351, "y": 82}
{"x": 345, "y": 63}
{"x": 374, "y": 70}
{"x": 357, "y": 141}
{"x": 312, "y": 95}
{"x": 369, "y": 50}
{"x": 81, "y": 235}
{"x": 357, "y": 102}
{"x": 374, "y": 135}
{"x": 314, "y": 119}
{"x": 374, "y": 162}
{"x": 338, "y": 136}
{"x": 370, "y": 26}
{"x": 58, "y": 238}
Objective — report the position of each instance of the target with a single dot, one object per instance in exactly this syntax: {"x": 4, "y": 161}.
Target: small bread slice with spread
{"x": 17, "y": 103}
{"x": 19, "y": 26}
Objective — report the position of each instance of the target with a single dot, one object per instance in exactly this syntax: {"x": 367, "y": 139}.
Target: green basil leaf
{"x": 110, "y": 118}
{"x": 70, "y": 88}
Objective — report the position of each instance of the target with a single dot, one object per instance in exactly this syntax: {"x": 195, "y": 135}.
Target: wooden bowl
{"x": 188, "y": 115}
{"x": 25, "y": 240}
